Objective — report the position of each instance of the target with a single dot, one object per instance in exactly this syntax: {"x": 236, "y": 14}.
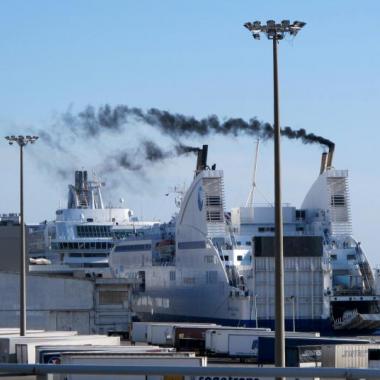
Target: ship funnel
{"x": 323, "y": 162}
{"x": 81, "y": 180}
{"x": 330, "y": 156}
{"x": 202, "y": 159}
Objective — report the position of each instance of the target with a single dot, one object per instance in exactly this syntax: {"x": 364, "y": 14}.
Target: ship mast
{"x": 249, "y": 202}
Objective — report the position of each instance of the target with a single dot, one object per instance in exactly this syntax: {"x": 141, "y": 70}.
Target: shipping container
{"x": 347, "y": 355}
{"x": 16, "y": 331}
{"x": 164, "y": 333}
{"x": 266, "y": 348}
{"x": 26, "y": 352}
{"x": 8, "y": 342}
{"x": 178, "y": 359}
{"x": 158, "y": 331}
{"x": 52, "y": 354}
{"x": 218, "y": 342}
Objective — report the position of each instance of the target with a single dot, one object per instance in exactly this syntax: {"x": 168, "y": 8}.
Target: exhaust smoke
{"x": 91, "y": 122}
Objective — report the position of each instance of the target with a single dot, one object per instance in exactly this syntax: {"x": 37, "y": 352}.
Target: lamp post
{"x": 277, "y": 32}
{"x": 22, "y": 141}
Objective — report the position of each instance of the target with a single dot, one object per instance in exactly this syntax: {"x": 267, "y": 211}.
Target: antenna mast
{"x": 249, "y": 202}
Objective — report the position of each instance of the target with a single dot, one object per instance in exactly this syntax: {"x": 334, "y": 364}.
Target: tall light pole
{"x": 277, "y": 32}
{"x": 22, "y": 141}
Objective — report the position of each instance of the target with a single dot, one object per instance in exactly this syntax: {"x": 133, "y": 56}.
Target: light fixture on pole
{"x": 277, "y": 31}
{"x": 22, "y": 141}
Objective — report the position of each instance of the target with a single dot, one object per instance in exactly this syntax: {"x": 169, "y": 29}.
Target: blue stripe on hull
{"x": 318, "y": 325}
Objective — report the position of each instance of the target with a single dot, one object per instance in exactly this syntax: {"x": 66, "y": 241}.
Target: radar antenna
{"x": 179, "y": 192}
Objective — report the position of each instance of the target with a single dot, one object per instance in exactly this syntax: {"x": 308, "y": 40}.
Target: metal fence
{"x": 45, "y": 371}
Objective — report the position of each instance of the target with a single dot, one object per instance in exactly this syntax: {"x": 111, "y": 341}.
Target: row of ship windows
{"x": 94, "y": 231}
{"x": 212, "y": 260}
{"x": 133, "y": 247}
{"x": 81, "y": 245}
{"x": 238, "y": 243}
{"x": 211, "y": 278}
{"x": 350, "y": 256}
{"x": 271, "y": 229}
{"x": 88, "y": 254}
{"x": 88, "y": 265}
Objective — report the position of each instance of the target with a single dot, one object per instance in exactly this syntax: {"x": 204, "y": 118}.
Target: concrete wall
{"x": 52, "y": 302}
{"x": 10, "y": 248}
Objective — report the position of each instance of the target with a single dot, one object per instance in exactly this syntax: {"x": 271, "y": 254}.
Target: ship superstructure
{"x": 211, "y": 265}
{"x": 83, "y": 234}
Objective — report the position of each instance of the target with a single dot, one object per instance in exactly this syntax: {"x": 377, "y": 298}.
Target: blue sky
{"x": 195, "y": 58}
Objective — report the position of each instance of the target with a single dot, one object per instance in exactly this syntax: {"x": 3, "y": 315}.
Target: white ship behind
{"x": 212, "y": 266}
{"x": 81, "y": 237}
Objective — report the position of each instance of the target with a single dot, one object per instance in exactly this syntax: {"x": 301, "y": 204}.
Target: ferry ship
{"x": 210, "y": 265}
{"x": 81, "y": 237}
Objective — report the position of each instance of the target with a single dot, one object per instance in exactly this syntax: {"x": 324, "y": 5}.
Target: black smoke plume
{"x": 91, "y": 122}
{"x": 148, "y": 151}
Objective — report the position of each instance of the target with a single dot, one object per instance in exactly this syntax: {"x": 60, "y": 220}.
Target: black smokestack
{"x": 92, "y": 122}
{"x": 330, "y": 156}
{"x": 323, "y": 162}
{"x": 202, "y": 159}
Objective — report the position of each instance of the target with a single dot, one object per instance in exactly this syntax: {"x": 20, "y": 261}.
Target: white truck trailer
{"x": 8, "y": 343}
{"x": 241, "y": 341}
{"x": 26, "y": 351}
{"x": 174, "y": 359}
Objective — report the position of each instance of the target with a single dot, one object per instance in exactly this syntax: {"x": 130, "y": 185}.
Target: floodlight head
{"x": 257, "y": 25}
{"x": 248, "y": 25}
{"x": 274, "y": 31}
{"x": 299, "y": 24}
{"x": 7, "y": 138}
{"x": 28, "y": 137}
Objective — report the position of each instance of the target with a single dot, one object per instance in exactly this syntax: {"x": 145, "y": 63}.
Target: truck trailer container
{"x": 52, "y": 354}
{"x": 8, "y": 343}
{"x": 350, "y": 355}
{"x": 178, "y": 359}
{"x": 157, "y": 332}
{"x": 293, "y": 345}
{"x": 164, "y": 334}
{"x": 227, "y": 341}
{"x": 26, "y": 351}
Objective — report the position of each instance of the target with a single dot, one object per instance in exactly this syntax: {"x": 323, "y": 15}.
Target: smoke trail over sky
{"x": 92, "y": 122}
{"x": 76, "y": 135}
{"x": 148, "y": 151}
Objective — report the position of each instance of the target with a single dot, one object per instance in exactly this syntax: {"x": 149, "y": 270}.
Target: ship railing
{"x": 346, "y": 317}
{"x": 351, "y": 292}
{"x": 45, "y": 371}
{"x": 268, "y": 204}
